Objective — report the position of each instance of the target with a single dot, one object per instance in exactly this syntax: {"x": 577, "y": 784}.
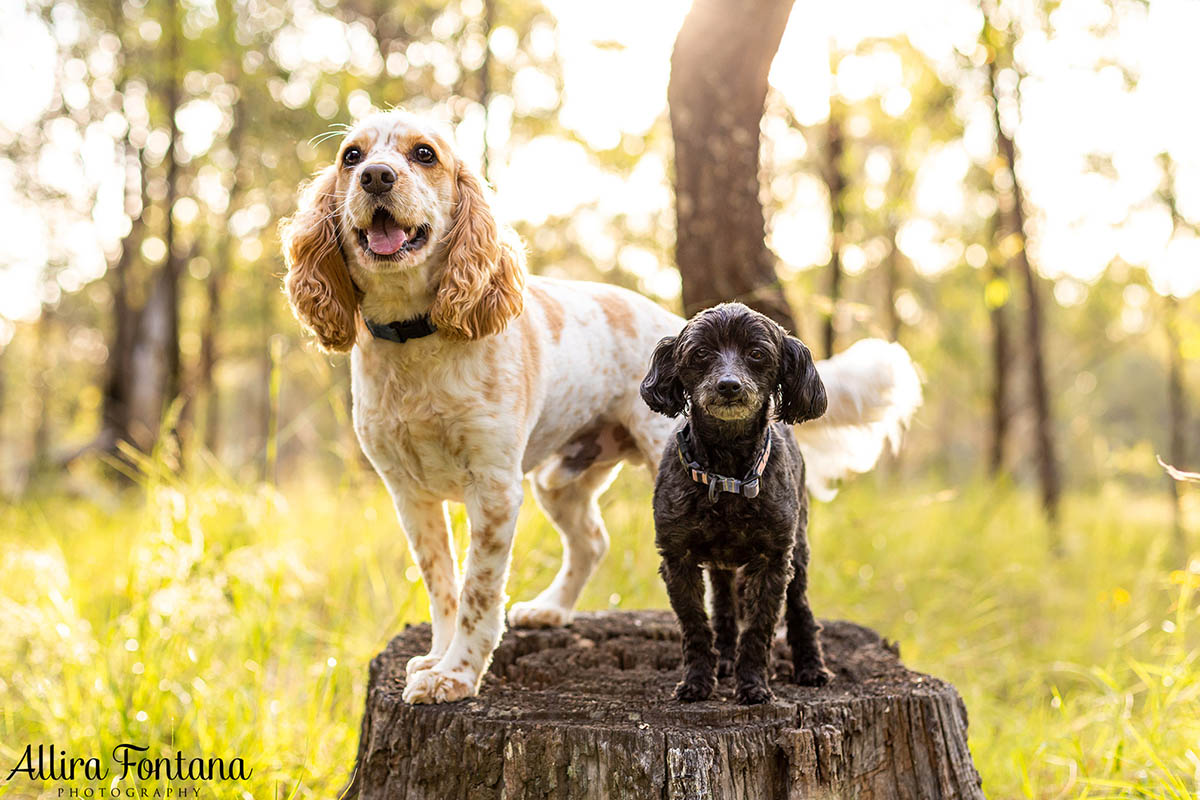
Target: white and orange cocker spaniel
{"x": 468, "y": 376}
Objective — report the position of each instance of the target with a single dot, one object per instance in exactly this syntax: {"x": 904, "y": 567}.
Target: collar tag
{"x": 402, "y": 331}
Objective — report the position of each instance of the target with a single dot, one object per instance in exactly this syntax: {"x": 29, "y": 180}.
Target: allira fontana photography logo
{"x": 127, "y": 764}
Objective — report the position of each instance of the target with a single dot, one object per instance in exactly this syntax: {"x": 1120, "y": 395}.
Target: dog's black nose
{"x": 728, "y": 387}
{"x": 378, "y": 178}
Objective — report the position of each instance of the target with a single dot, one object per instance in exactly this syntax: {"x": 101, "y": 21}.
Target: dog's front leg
{"x": 492, "y": 507}
{"x": 764, "y": 581}
{"x": 428, "y": 531}
{"x": 685, "y": 588}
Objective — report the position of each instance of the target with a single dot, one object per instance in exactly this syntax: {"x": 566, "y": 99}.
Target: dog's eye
{"x": 701, "y": 353}
{"x": 352, "y": 156}
{"x": 424, "y": 154}
{"x": 757, "y": 354}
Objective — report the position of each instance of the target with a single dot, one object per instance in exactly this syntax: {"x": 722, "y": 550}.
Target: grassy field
{"x": 219, "y": 620}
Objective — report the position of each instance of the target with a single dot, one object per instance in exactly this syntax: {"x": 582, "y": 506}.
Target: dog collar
{"x": 401, "y": 332}
{"x": 747, "y": 487}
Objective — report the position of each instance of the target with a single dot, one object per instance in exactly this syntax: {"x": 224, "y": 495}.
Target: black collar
{"x": 401, "y": 332}
{"x": 747, "y": 487}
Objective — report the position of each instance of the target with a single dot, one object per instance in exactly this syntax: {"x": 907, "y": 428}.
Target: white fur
{"x": 873, "y": 390}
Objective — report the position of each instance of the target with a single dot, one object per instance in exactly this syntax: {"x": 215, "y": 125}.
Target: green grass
{"x": 217, "y": 620}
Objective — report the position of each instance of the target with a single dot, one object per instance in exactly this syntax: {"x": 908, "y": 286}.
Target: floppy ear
{"x": 319, "y": 288}
{"x": 801, "y": 393}
{"x": 482, "y": 287}
{"x": 661, "y": 388}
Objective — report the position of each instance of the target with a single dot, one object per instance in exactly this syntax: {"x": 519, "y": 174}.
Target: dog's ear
{"x": 801, "y": 392}
{"x": 661, "y": 388}
{"x": 319, "y": 287}
{"x": 483, "y": 285}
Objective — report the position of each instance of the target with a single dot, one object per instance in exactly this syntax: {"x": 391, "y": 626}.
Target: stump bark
{"x": 586, "y": 712}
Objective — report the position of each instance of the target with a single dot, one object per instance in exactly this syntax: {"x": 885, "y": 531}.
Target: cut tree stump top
{"x": 586, "y": 712}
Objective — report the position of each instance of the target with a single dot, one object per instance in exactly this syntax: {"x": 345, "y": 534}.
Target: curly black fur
{"x": 737, "y": 373}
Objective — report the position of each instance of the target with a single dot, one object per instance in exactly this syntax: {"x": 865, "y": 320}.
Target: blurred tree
{"x": 1177, "y": 411}
{"x": 716, "y": 94}
{"x": 1011, "y": 202}
{"x": 204, "y": 386}
{"x": 46, "y": 354}
{"x": 835, "y": 182}
{"x": 145, "y": 374}
{"x": 996, "y": 295}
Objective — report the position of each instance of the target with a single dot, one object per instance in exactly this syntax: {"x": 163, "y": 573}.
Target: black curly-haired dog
{"x": 730, "y": 496}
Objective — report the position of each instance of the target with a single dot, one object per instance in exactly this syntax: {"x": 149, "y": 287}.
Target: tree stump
{"x": 586, "y": 712}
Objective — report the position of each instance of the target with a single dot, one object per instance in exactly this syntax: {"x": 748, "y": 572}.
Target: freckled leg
{"x": 764, "y": 582}
{"x": 575, "y": 513}
{"x": 428, "y": 530}
{"x": 685, "y": 587}
{"x": 492, "y": 509}
{"x": 803, "y": 630}
{"x": 725, "y": 618}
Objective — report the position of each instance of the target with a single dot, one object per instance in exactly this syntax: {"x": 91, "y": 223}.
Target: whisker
{"x": 326, "y": 136}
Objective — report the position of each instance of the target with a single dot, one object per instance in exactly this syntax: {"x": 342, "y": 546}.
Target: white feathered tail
{"x": 873, "y": 390}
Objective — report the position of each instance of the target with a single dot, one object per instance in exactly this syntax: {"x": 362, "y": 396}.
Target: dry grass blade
{"x": 1178, "y": 474}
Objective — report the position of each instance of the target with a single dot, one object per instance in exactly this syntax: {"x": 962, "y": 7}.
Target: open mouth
{"x": 389, "y": 240}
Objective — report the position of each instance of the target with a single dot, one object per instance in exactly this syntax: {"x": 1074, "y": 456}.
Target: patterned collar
{"x": 747, "y": 487}
{"x": 401, "y": 332}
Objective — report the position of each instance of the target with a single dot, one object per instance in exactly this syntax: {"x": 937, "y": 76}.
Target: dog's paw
{"x": 693, "y": 691}
{"x": 811, "y": 675}
{"x": 753, "y": 694}
{"x": 533, "y": 614}
{"x": 437, "y": 685}
{"x": 724, "y": 667}
{"x": 420, "y": 663}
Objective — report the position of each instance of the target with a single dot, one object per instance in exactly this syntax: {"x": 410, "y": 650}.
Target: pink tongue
{"x": 385, "y": 236}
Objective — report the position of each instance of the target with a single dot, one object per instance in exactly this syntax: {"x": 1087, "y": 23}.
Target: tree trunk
{"x": 118, "y": 384}
{"x": 1177, "y": 416}
{"x": 144, "y": 360}
{"x": 173, "y": 266}
{"x": 716, "y": 93}
{"x": 892, "y": 285}
{"x": 40, "y": 459}
{"x": 835, "y": 182}
{"x": 1001, "y": 359}
{"x": 485, "y": 82}
{"x": 586, "y": 712}
{"x": 1176, "y": 397}
{"x": 263, "y": 417}
{"x": 5, "y": 462}
{"x": 1047, "y": 460}
{"x": 223, "y": 263}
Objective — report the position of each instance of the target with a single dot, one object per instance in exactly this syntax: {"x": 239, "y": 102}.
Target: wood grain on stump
{"x": 586, "y": 712}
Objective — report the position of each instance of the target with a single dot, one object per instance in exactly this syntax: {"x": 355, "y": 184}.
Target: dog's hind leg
{"x": 803, "y": 630}
{"x": 724, "y": 617}
{"x": 575, "y": 513}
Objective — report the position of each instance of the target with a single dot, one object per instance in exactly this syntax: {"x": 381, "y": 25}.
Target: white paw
{"x": 439, "y": 685}
{"x": 538, "y": 615}
{"x": 419, "y": 663}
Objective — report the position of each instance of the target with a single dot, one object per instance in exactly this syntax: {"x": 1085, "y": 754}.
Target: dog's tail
{"x": 873, "y": 390}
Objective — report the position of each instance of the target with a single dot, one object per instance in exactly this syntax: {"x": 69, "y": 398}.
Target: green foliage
{"x": 212, "y": 619}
